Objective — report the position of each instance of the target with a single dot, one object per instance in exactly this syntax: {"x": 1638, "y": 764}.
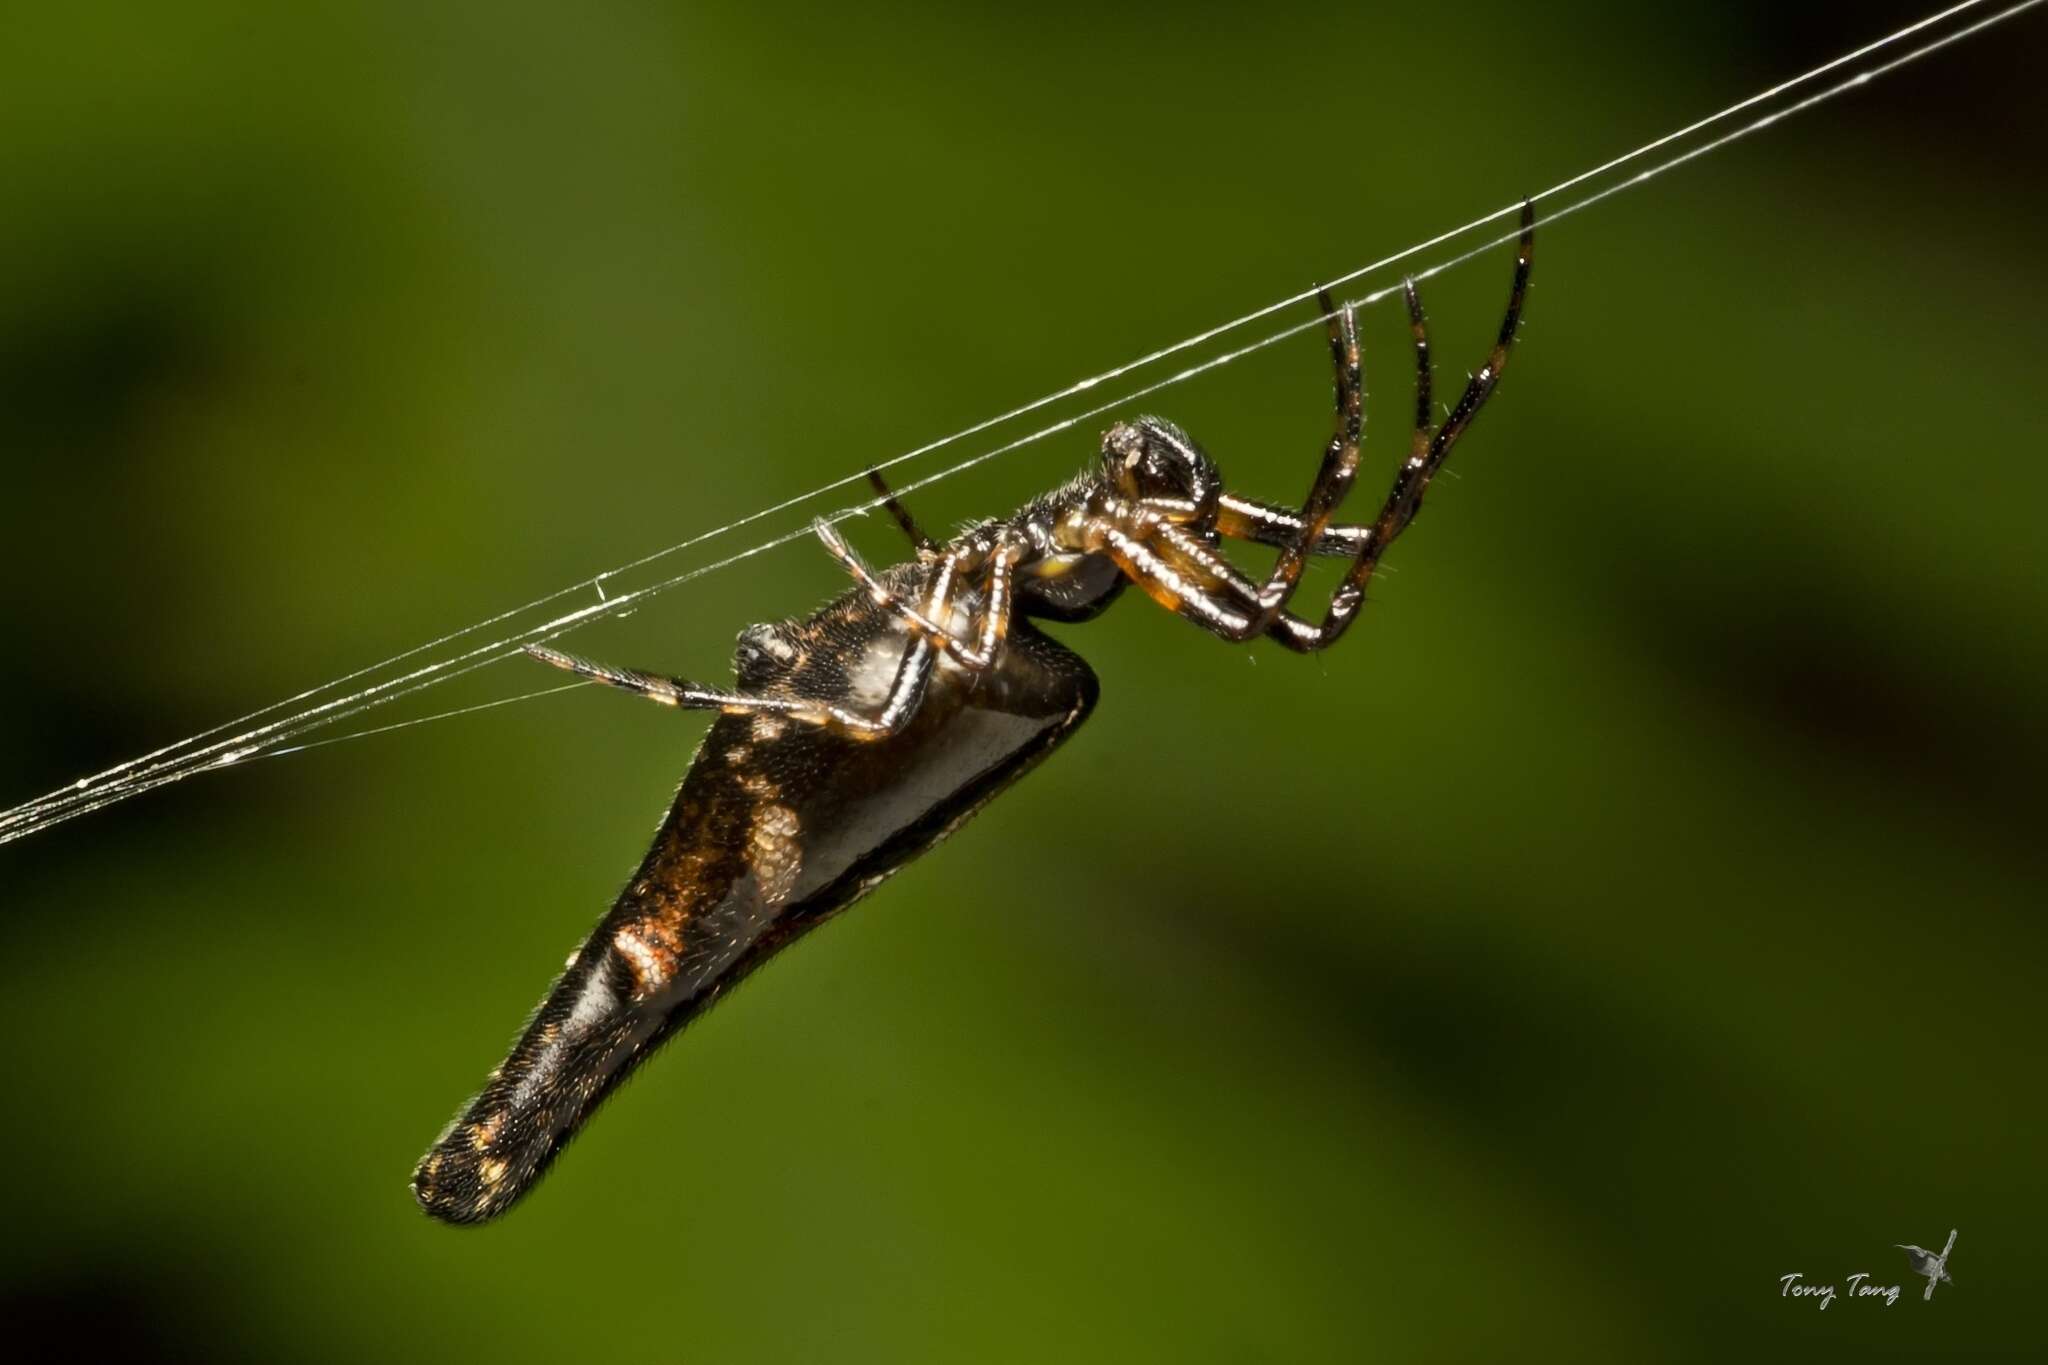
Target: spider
{"x": 864, "y": 734}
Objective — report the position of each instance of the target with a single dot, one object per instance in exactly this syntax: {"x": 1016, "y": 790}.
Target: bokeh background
{"x": 1643, "y": 904}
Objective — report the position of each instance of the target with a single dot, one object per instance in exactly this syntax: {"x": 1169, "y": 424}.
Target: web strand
{"x": 279, "y": 728}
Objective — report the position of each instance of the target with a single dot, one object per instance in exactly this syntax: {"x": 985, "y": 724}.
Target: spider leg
{"x": 1418, "y": 329}
{"x": 913, "y": 673}
{"x": 1427, "y": 453}
{"x": 1184, "y": 585}
{"x": 1188, "y": 576}
{"x": 850, "y": 560}
{"x": 1429, "y": 450}
{"x": 1263, "y": 523}
{"x": 995, "y": 609}
{"x": 1166, "y": 578}
{"x": 1204, "y": 572}
{"x": 921, "y": 542}
{"x": 998, "y": 565}
{"x": 1332, "y": 482}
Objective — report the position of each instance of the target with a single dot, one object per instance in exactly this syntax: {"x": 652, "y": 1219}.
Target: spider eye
{"x": 1123, "y": 448}
{"x": 1153, "y": 458}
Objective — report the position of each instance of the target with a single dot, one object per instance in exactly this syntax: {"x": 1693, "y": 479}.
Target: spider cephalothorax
{"x": 863, "y": 734}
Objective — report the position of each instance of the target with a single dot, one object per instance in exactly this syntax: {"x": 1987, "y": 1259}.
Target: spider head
{"x": 1153, "y": 461}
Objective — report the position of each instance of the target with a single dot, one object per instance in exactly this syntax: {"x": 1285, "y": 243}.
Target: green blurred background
{"x": 1642, "y": 905}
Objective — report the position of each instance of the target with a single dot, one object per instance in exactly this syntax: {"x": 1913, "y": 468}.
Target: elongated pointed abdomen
{"x": 777, "y": 826}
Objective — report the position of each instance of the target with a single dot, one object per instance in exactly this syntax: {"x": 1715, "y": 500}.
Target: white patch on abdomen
{"x": 594, "y": 1005}
{"x": 874, "y": 673}
{"x": 649, "y": 972}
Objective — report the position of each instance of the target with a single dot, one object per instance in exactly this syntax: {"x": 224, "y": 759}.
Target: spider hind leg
{"x": 995, "y": 566}
{"x": 919, "y": 541}
{"x": 906, "y": 692}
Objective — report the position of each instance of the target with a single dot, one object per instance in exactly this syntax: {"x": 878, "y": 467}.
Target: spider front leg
{"x": 906, "y": 692}
{"x": 1211, "y": 586}
{"x": 1332, "y": 482}
{"x": 1427, "y": 452}
{"x": 1263, "y": 523}
{"x": 1164, "y": 577}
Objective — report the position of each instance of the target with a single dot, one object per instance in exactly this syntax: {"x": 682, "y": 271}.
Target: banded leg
{"x": 1427, "y": 456}
{"x": 1184, "y": 587}
{"x": 1192, "y": 574}
{"x": 1201, "y": 572}
{"x": 999, "y": 564}
{"x": 1263, "y": 523}
{"x": 995, "y": 609}
{"x": 913, "y": 675}
{"x": 1162, "y": 580}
